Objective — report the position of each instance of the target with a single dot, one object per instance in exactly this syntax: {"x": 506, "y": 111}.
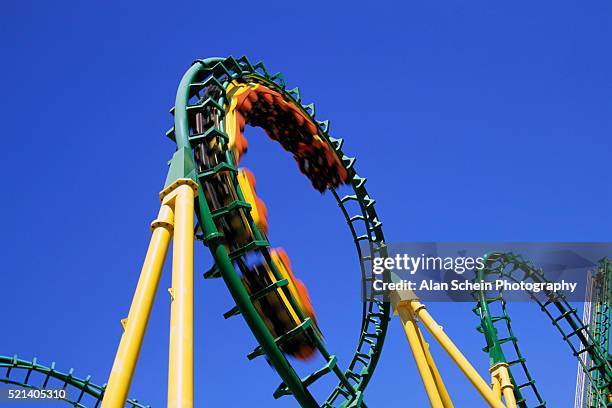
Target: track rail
{"x": 494, "y": 320}
{"x": 363, "y": 223}
{"x": 81, "y": 392}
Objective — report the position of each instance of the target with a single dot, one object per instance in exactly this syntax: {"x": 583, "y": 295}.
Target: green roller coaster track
{"x": 363, "y": 223}
{"x": 32, "y": 375}
{"x": 358, "y": 210}
{"x": 364, "y": 227}
{"x": 562, "y": 315}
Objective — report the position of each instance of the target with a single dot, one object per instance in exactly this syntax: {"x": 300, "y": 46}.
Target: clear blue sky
{"x": 474, "y": 121}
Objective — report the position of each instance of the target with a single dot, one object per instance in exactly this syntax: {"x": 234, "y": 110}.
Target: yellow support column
{"x": 129, "y": 347}
{"x": 180, "y": 364}
{"x": 446, "y": 400}
{"x": 434, "y": 386}
{"x": 501, "y": 374}
{"x": 464, "y": 365}
{"x": 410, "y": 328}
{"x": 495, "y": 384}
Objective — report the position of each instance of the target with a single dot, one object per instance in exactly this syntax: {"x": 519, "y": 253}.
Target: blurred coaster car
{"x": 274, "y": 307}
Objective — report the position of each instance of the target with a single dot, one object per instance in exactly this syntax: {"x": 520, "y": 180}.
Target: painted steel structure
{"x": 592, "y": 387}
{"x": 586, "y": 340}
{"x": 375, "y": 313}
{"x": 208, "y": 121}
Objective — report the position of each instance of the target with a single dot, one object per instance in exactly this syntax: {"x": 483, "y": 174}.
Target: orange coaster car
{"x": 276, "y": 310}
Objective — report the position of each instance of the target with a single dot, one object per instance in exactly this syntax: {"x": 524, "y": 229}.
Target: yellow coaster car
{"x": 247, "y": 183}
{"x": 275, "y": 309}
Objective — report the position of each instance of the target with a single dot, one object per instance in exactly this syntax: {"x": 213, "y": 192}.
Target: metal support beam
{"x": 464, "y": 365}
{"x": 446, "y": 400}
{"x": 501, "y": 377}
{"x": 175, "y": 219}
{"x": 180, "y": 364}
{"x": 410, "y": 328}
{"x": 129, "y": 347}
{"x": 432, "y": 380}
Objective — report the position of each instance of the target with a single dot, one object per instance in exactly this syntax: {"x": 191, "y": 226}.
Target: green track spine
{"x": 351, "y": 382}
{"x": 556, "y": 307}
{"x": 33, "y": 375}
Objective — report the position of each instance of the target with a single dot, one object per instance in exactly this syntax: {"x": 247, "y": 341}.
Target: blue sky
{"x": 472, "y": 122}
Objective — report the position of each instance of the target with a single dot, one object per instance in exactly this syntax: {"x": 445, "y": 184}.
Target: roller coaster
{"x": 207, "y": 197}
